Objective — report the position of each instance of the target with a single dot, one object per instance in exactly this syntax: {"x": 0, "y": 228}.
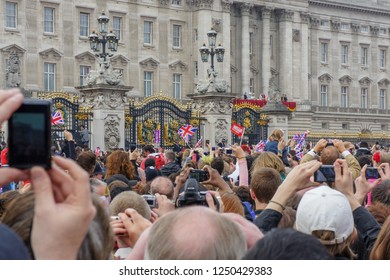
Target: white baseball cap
{"x": 323, "y": 208}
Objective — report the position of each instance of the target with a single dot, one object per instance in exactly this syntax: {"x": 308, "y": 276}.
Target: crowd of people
{"x": 198, "y": 204}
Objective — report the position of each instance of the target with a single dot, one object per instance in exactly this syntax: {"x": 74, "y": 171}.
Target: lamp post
{"x": 99, "y": 43}
{"x": 212, "y": 50}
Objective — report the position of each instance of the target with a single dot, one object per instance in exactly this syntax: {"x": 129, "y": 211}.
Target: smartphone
{"x": 199, "y": 175}
{"x": 229, "y": 151}
{"x": 29, "y": 131}
{"x": 325, "y": 174}
{"x": 207, "y": 142}
{"x": 151, "y": 200}
{"x": 213, "y": 148}
{"x": 372, "y": 173}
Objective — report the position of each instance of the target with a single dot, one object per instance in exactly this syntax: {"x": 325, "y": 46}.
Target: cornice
{"x": 349, "y": 7}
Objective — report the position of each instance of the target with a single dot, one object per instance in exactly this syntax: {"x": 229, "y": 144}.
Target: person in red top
{"x": 4, "y": 157}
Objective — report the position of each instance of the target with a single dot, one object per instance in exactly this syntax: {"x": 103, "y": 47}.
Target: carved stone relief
{"x": 12, "y": 76}
{"x": 221, "y": 131}
{"x": 111, "y": 132}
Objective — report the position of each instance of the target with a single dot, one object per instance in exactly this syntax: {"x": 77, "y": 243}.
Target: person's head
{"x": 129, "y": 199}
{"x": 349, "y": 146}
{"x": 119, "y": 163}
{"x": 5, "y": 199}
{"x": 268, "y": 159}
{"x": 148, "y": 149}
{"x": 276, "y": 135}
{"x": 87, "y": 160}
{"x": 364, "y": 144}
{"x": 381, "y": 193}
{"x": 381, "y": 249}
{"x": 162, "y": 185}
{"x": 287, "y": 244}
{"x": 384, "y": 158}
{"x": 150, "y": 161}
{"x": 363, "y": 160}
{"x": 379, "y": 211}
{"x": 98, "y": 186}
{"x": 82, "y": 127}
{"x": 326, "y": 214}
{"x": 195, "y": 233}
{"x": 218, "y": 164}
{"x": 98, "y": 172}
{"x": 329, "y": 155}
{"x": 97, "y": 244}
{"x": 151, "y": 172}
{"x": 232, "y": 204}
{"x": 264, "y": 184}
{"x": 170, "y": 156}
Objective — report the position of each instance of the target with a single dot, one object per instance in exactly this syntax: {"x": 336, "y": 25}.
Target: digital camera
{"x": 192, "y": 196}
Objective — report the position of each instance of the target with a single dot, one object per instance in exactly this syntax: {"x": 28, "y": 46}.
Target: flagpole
{"x": 242, "y": 136}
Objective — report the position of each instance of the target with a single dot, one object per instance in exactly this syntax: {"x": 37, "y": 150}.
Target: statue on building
{"x": 274, "y": 91}
{"x": 13, "y": 71}
{"x": 105, "y": 75}
{"x": 212, "y": 84}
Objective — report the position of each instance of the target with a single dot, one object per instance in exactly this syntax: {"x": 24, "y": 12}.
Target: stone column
{"x": 217, "y": 113}
{"x": 226, "y": 5}
{"x": 204, "y": 17}
{"x": 285, "y": 43}
{"x": 245, "y": 58}
{"x": 266, "y": 50}
{"x": 109, "y": 103}
{"x": 304, "y": 92}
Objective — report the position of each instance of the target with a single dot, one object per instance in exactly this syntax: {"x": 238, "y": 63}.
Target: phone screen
{"x": 229, "y": 151}
{"x": 325, "y": 174}
{"x": 29, "y": 137}
{"x": 372, "y": 173}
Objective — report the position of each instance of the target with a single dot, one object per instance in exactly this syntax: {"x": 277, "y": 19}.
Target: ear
{"x": 252, "y": 194}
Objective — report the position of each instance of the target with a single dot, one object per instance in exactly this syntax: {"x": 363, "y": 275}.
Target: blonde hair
{"x": 268, "y": 159}
{"x": 342, "y": 248}
{"x": 381, "y": 249}
{"x": 276, "y": 135}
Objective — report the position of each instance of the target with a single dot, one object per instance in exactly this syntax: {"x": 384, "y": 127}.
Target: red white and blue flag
{"x": 187, "y": 131}
{"x": 301, "y": 140}
{"x": 56, "y": 118}
{"x": 260, "y": 146}
{"x": 199, "y": 143}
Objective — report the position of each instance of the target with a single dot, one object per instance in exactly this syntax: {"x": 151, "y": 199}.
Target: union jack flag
{"x": 299, "y": 155}
{"x": 301, "y": 141}
{"x": 187, "y": 131}
{"x": 199, "y": 143}
{"x": 260, "y": 146}
{"x": 56, "y": 118}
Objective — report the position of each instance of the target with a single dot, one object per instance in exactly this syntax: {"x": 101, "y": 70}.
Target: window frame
{"x": 148, "y": 84}
{"x": 48, "y": 76}
{"x": 45, "y": 21}
{"x": 382, "y": 58}
{"x": 364, "y": 98}
{"x": 114, "y": 29}
{"x": 324, "y": 49}
{"x": 324, "y": 93}
{"x": 11, "y": 17}
{"x": 364, "y": 56}
{"x": 344, "y": 96}
{"x": 150, "y": 34}
{"x": 177, "y": 85}
{"x": 382, "y": 99}
{"x": 344, "y": 56}
{"x": 176, "y": 28}
{"x": 83, "y": 74}
{"x": 81, "y": 34}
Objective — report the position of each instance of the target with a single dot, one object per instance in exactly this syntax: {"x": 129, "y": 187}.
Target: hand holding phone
{"x": 199, "y": 175}
{"x": 372, "y": 173}
{"x": 29, "y": 130}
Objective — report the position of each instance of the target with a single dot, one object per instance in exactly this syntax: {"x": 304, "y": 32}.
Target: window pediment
{"x": 86, "y": 56}
{"x": 119, "y": 60}
{"x": 51, "y": 53}
{"x": 178, "y": 64}
{"x": 325, "y": 78}
{"x": 149, "y": 63}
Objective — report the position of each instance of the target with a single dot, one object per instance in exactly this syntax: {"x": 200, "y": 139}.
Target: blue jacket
{"x": 272, "y": 146}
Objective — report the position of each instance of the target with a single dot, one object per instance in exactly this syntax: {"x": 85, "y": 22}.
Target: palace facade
{"x": 331, "y": 57}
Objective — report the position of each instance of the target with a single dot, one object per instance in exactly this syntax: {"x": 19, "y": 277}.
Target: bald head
{"x": 162, "y": 185}
{"x": 196, "y": 233}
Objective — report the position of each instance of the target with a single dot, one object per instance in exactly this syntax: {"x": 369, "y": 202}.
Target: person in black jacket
{"x": 171, "y": 166}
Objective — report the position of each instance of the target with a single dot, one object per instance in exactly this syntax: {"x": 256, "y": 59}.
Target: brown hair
{"x": 380, "y": 211}
{"x": 87, "y": 161}
{"x": 329, "y": 155}
{"x": 342, "y": 248}
{"x": 119, "y": 163}
{"x": 232, "y": 204}
{"x": 385, "y": 158}
{"x": 264, "y": 183}
{"x": 5, "y": 199}
{"x": 381, "y": 249}
{"x": 97, "y": 244}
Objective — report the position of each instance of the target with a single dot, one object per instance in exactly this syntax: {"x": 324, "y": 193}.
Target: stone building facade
{"x": 331, "y": 57}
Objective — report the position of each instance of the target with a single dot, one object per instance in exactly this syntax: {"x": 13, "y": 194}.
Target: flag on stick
{"x": 237, "y": 130}
{"x": 56, "y": 118}
{"x": 186, "y": 132}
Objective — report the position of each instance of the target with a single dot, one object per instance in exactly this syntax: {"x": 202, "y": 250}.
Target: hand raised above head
{"x": 10, "y": 101}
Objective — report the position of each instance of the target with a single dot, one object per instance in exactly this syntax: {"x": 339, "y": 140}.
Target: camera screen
{"x": 29, "y": 141}
{"x": 325, "y": 174}
{"x": 372, "y": 173}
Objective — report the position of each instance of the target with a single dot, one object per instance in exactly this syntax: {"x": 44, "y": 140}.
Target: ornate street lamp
{"x": 205, "y": 51}
{"x": 97, "y": 43}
